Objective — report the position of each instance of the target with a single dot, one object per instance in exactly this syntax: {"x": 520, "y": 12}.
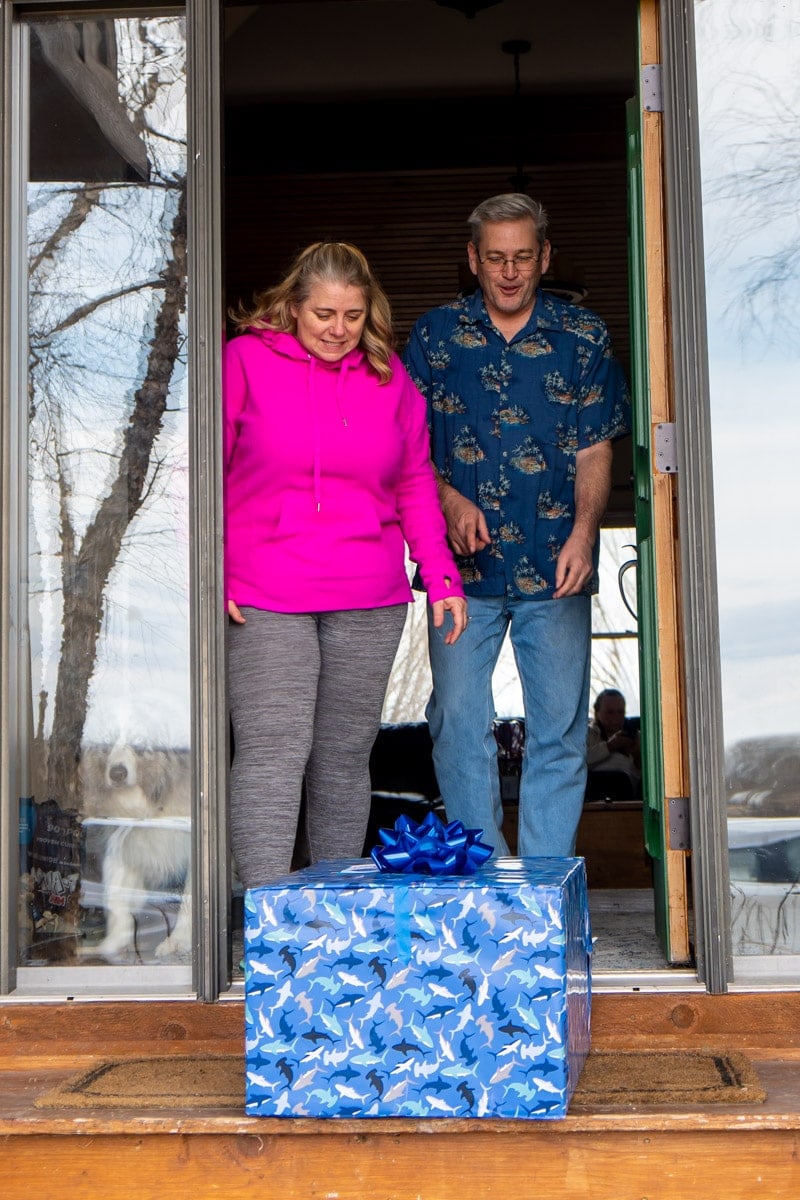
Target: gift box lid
{"x": 496, "y": 873}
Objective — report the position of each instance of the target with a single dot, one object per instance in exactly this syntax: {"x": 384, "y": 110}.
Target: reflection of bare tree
{"x": 86, "y": 567}
{"x": 130, "y": 87}
{"x": 83, "y": 201}
{"x": 765, "y": 190}
{"x": 750, "y": 122}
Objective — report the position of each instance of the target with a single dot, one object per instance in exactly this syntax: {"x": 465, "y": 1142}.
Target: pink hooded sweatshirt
{"x": 328, "y": 473}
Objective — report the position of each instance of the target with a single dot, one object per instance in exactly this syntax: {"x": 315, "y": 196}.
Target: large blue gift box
{"x": 375, "y": 994}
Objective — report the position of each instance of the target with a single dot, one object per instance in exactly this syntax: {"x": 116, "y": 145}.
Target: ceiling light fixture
{"x": 468, "y": 7}
{"x": 517, "y": 47}
{"x": 564, "y": 277}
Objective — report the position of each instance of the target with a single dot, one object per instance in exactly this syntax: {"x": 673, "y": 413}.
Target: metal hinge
{"x": 678, "y": 813}
{"x": 651, "y": 88}
{"x": 666, "y": 448}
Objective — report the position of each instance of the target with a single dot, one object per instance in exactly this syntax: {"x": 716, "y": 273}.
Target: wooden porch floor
{"x": 616, "y": 1153}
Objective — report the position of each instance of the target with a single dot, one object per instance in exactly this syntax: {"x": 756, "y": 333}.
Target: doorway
{"x": 384, "y": 124}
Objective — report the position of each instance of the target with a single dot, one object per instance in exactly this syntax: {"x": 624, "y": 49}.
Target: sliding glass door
{"x": 749, "y": 109}
{"x": 102, "y": 696}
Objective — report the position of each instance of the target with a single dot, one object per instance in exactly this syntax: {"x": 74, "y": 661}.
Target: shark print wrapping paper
{"x": 373, "y": 994}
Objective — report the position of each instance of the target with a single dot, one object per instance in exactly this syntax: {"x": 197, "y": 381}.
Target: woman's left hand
{"x": 457, "y": 607}
{"x": 234, "y": 612}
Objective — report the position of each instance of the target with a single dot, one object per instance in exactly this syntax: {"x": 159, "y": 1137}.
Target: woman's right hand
{"x": 457, "y": 607}
{"x": 234, "y": 613}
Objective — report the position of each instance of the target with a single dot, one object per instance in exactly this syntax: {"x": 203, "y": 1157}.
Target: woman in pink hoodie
{"x": 327, "y": 477}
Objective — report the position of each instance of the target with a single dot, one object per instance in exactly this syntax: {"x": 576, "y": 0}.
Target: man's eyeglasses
{"x": 524, "y": 260}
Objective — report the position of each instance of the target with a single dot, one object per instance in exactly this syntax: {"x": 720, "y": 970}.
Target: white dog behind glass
{"x": 144, "y": 794}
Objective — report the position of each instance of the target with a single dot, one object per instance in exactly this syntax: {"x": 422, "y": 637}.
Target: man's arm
{"x": 466, "y": 523}
{"x": 592, "y": 490}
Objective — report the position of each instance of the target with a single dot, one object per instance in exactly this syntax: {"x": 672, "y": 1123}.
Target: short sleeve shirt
{"x": 507, "y": 420}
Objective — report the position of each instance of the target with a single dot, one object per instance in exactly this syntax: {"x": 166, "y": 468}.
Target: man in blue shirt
{"x": 524, "y": 401}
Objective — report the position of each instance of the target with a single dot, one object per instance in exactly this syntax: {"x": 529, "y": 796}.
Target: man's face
{"x": 611, "y": 713}
{"x": 509, "y": 262}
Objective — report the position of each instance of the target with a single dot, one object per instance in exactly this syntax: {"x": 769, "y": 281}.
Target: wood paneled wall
{"x": 412, "y": 227}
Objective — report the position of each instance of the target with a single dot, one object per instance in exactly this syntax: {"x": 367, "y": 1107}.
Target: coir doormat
{"x": 608, "y": 1077}
{"x": 173, "y": 1082}
{"x": 668, "y": 1077}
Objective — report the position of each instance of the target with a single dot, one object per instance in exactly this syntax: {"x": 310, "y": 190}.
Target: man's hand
{"x": 575, "y": 567}
{"x": 466, "y": 524}
{"x": 592, "y": 488}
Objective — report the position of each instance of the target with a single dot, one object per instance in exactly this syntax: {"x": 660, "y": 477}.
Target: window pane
{"x": 105, "y": 862}
{"x": 614, "y": 646}
{"x": 749, "y": 108}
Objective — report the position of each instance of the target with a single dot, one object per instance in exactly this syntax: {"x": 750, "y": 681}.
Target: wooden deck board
{"x": 545, "y": 1160}
{"x": 622, "y": 1152}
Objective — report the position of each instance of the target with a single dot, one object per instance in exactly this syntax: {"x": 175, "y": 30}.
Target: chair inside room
{"x": 403, "y": 778}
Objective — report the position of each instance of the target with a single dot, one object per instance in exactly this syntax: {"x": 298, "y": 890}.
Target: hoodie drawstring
{"x": 317, "y": 433}
{"x": 340, "y": 391}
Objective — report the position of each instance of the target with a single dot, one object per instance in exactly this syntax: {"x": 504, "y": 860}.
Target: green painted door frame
{"x": 649, "y": 680}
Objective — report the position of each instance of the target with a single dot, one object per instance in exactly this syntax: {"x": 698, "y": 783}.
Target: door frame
{"x": 665, "y": 780}
{"x": 205, "y": 305}
{"x": 689, "y": 671}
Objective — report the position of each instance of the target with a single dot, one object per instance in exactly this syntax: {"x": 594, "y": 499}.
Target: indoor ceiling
{"x": 355, "y": 49}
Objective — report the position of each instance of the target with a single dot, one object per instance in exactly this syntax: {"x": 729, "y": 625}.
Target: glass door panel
{"x": 107, "y": 782}
{"x": 749, "y": 109}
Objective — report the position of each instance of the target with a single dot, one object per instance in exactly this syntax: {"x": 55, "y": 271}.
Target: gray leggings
{"x": 306, "y": 692}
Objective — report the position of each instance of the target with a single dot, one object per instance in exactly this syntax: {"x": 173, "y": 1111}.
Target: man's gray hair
{"x": 508, "y": 206}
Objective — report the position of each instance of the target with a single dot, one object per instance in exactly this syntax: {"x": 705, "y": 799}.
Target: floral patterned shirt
{"x": 507, "y": 420}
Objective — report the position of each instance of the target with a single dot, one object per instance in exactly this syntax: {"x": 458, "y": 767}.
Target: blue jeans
{"x": 551, "y": 641}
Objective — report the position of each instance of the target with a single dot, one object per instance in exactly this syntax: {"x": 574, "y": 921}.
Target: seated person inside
{"x": 613, "y": 755}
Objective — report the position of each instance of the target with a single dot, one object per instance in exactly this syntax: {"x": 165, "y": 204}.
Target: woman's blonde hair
{"x": 325, "y": 262}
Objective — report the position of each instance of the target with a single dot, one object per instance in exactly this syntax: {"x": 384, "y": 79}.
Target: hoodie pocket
{"x": 341, "y": 518}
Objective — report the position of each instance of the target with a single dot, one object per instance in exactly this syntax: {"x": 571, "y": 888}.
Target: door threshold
{"x": 669, "y": 980}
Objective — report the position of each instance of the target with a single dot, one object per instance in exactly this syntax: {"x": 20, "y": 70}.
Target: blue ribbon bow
{"x": 430, "y": 848}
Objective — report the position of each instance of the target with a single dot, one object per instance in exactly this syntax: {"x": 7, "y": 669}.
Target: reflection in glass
{"x": 749, "y": 109}
{"x": 105, "y": 859}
